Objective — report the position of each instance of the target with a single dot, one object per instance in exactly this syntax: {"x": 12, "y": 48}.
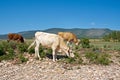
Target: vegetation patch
{"x": 98, "y": 58}
{"x": 8, "y": 51}
{"x": 76, "y": 60}
{"x": 93, "y": 54}
{"x": 85, "y": 43}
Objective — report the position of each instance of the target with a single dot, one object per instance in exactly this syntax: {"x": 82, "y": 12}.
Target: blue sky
{"x": 24, "y": 15}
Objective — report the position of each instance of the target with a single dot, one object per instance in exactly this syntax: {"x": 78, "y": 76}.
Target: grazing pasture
{"x": 100, "y": 52}
{"x": 103, "y": 44}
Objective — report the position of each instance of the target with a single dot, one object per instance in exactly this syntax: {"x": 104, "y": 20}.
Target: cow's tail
{"x": 32, "y": 44}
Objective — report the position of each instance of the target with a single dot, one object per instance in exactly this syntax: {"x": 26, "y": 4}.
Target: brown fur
{"x": 68, "y": 36}
{"x": 15, "y": 37}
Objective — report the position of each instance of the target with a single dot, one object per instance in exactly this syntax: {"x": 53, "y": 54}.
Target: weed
{"x": 22, "y": 47}
{"x": 96, "y": 58}
{"x": 9, "y": 56}
{"x": 22, "y": 58}
{"x": 76, "y": 60}
{"x": 85, "y": 43}
{"x": 2, "y": 52}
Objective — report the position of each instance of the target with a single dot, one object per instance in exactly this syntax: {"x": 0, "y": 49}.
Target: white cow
{"x": 53, "y": 41}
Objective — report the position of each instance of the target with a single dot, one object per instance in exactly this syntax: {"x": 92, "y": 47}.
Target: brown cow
{"x": 15, "y": 37}
{"x": 69, "y": 37}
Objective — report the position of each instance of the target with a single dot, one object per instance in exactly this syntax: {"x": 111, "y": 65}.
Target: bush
{"x": 9, "y": 56}
{"x": 10, "y": 51}
{"x": 22, "y": 47}
{"x": 77, "y": 47}
{"x": 7, "y": 50}
{"x": 76, "y": 60}
{"x": 22, "y": 58}
{"x": 70, "y": 60}
{"x": 103, "y": 59}
{"x": 31, "y": 50}
{"x": 85, "y": 43}
{"x": 91, "y": 56}
{"x": 98, "y": 58}
{"x": 2, "y": 51}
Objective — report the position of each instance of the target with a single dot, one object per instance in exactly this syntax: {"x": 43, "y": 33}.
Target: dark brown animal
{"x": 15, "y": 37}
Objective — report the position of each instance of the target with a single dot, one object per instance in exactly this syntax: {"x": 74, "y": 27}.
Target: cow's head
{"x": 69, "y": 52}
{"x": 77, "y": 42}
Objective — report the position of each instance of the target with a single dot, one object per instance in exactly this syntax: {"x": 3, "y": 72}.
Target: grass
{"x": 11, "y": 50}
{"x": 98, "y": 58}
{"x": 76, "y": 60}
{"x": 93, "y": 54}
{"x": 106, "y": 45}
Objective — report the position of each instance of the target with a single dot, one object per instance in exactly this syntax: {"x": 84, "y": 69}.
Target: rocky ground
{"x": 49, "y": 70}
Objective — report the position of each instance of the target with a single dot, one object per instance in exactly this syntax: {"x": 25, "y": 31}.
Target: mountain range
{"x": 89, "y": 33}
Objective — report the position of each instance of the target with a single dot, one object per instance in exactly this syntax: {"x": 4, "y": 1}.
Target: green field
{"x": 14, "y": 50}
{"x": 95, "y": 42}
{"x": 103, "y": 44}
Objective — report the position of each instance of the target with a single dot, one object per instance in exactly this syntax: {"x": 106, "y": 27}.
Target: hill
{"x": 89, "y": 33}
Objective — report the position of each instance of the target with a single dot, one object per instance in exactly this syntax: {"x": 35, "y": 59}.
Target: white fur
{"x": 53, "y": 41}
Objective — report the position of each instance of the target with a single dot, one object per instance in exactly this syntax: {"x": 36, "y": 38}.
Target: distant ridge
{"x": 89, "y": 33}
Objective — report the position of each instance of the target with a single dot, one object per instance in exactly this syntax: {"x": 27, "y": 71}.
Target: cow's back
{"x": 47, "y": 39}
{"x": 10, "y": 36}
{"x": 13, "y": 36}
{"x": 67, "y": 35}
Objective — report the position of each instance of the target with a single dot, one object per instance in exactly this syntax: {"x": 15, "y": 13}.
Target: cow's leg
{"x": 68, "y": 43}
{"x": 37, "y": 50}
{"x": 53, "y": 53}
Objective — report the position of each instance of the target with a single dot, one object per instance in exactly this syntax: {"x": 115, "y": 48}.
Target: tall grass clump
{"x": 22, "y": 47}
{"x": 85, "y": 43}
{"x": 2, "y": 51}
{"x": 10, "y": 51}
{"x": 98, "y": 58}
{"x": 76, "y": 60}
{"x": 22, "y": 58}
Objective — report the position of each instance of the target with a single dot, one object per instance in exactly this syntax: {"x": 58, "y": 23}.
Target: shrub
{"x": 22, "y": 58}
{"x": 103, "y": 59}
{"x": 77, "y": 47}
{"x": 6, "y": 52}
{"x": 76, "y": 60}
{"x": 22, "y": 47}
{"x": 91, "y": 56}
{"x": 95, "y": 48}
{"x": 8, "y": 56}
{"x": 10, "y": 51}
{"x": 31, "y": 50}
{"x": 70, "y": 60}
{"x": 85, "y": 43}
{"x": 42, "y": 54}
{"x": 2, "y": 51}
{"x": 98, "y": 58}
